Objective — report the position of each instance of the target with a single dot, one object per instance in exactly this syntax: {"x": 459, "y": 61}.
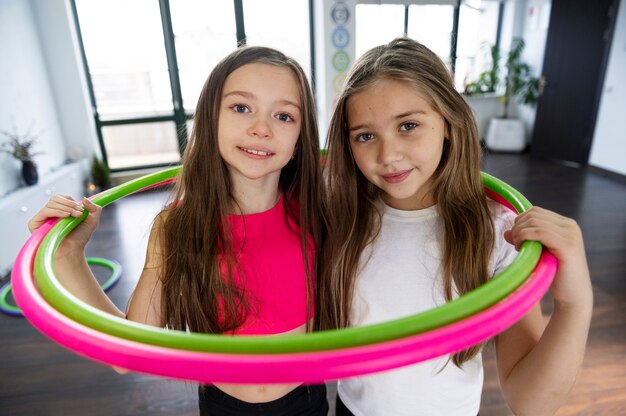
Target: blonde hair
{"x": 354, "y": 221}
{"x": 196, "y": 294}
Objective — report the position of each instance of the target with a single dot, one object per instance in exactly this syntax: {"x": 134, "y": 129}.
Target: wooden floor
{"x": 37, "y": 377}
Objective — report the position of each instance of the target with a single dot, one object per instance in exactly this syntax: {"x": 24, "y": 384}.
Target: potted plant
{"x": 488, "y": 80}
{"x": 517, "y": 82}
{"x": 20, "y": 147}
{"x": 100, "y": 173}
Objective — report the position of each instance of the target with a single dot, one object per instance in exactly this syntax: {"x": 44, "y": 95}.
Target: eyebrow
{"x": 396, "y": 117}
{"x": 249, "y": 95}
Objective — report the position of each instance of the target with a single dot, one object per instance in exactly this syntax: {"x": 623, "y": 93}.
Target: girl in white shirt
{"x": 411, "y": 228}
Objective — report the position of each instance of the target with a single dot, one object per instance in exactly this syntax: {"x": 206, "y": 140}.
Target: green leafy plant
{"x": 517, "y": 80}
{"x": 100, "y": 173}
{"x": 487, "y": 80}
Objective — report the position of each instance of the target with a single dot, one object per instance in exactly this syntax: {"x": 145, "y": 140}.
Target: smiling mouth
{"x": 397, "y": 177}
{"x": 255, "y": 152}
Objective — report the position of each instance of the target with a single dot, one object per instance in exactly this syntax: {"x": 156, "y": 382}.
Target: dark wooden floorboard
{"x": 38, "y": 377}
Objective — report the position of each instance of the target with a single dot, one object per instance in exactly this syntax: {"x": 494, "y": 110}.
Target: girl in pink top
{"x": 238, "y": 254}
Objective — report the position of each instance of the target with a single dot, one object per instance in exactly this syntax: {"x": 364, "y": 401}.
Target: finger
{"x": 53, "y": 209}
{"x": 542, "y": 213}
{"x": 90, "y": 206}
{"x": 551, "y": 235}
{"x": 61, "y": 201}
{"x": 68, "y": 197}
{"x": 541, "y": 219}
{"x": 508, "y": 237}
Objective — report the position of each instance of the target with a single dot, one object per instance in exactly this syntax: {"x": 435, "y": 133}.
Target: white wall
{"x": 608, "y": 150}
{"x": 536, "y": 17}
{"x": 68, "y": 82}
{"x": 335, "y": 37}
{"x": 43, "y": 85}
{"x": 27, "y": 97}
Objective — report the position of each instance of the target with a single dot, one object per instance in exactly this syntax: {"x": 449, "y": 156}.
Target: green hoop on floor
{"x": 116, "y": 273}
{"x": 469, "y": 304}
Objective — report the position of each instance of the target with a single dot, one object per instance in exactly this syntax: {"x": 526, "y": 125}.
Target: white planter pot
{"x": 506, "y": 135}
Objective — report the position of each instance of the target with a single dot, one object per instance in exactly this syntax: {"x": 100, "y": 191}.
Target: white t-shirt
{"x": 401, "y": 276}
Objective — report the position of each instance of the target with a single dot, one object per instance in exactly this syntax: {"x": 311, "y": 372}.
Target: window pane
{"x": 432, "y": 26}
{"x": 124, "y": 47}
{"x": 189, "y": 124}
{"x": 377, "y": 24}
{"x": 280, "y": 24}
{"x": 204, "y": 33}
{"x": 478, "y": 23}
{"x": 134, "y": 145}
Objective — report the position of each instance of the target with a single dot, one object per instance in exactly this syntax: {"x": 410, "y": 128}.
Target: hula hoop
{"x": 307, "y": 367}
{"x": 114, "y": 266}
{"x": 5, "y": 306}
{"x": 471, "y": 303}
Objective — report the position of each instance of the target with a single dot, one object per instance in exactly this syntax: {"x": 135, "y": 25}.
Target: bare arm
{"x": 70, "y": 264}
{"x": 145, "y": 302}
{"x": 538, "y": 364}
{"x": 73, "y": 272}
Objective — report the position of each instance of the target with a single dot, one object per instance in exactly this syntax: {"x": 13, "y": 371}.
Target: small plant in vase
{"x": 21, "y": 148}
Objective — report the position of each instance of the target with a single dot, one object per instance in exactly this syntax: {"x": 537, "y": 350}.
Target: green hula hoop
{"x": 5, "y": 306}
{"x": 116, "y": 273}
{"x": 469, "y": 304}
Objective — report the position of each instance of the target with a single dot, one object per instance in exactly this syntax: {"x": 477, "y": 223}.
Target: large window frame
{"x": 456, "y": 4}
{"x": 179, "y": 115}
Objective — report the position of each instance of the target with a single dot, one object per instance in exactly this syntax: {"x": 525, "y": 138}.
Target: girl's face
{"x": 259, "y": 121}
{"x": 397, "y": 141}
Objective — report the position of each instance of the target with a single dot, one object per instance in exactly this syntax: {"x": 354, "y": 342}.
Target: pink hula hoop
{"x": 311, "y": 367}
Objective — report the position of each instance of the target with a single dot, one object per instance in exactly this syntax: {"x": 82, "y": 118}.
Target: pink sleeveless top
{"x": 270, "y": 267}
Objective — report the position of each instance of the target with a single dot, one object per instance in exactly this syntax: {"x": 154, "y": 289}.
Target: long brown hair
{"x": 354, "y": 220}
{"x": 196, "y": 294}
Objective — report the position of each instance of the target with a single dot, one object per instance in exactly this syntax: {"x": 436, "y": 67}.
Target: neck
{"x": 255, "y": 196}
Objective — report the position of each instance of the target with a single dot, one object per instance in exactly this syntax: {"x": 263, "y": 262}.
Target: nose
{"x": 260, "y": 128}
{"x": 389, "y": 151}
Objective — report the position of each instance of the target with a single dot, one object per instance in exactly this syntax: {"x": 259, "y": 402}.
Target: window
{"x": 280, "y": 24}
{"x": 478, "y": 27}
{"x": 129, "y": 74}
{"x": 377, "y": 24}
{"x": 147, "y": 61}
{"x": 128, "y": 67}
{"x": 126, "y": 144}
{"x": 462, "y": 47}
{"x": 432, "y": 26}
{"x": 204, "y": 32}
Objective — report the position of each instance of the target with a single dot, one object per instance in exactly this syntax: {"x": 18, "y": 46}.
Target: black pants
{"x": 342, "y": 410}
{"x": 301, "y": 401}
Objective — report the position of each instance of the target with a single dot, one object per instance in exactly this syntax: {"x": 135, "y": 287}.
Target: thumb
{"x": 92, "y": 211}
{"x": 90, "y": 206}
{"x": 508, "y": 236}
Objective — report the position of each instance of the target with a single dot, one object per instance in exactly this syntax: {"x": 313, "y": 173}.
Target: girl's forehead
{"x": 386, "y": 93}
{"x": 264, "y": 80}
